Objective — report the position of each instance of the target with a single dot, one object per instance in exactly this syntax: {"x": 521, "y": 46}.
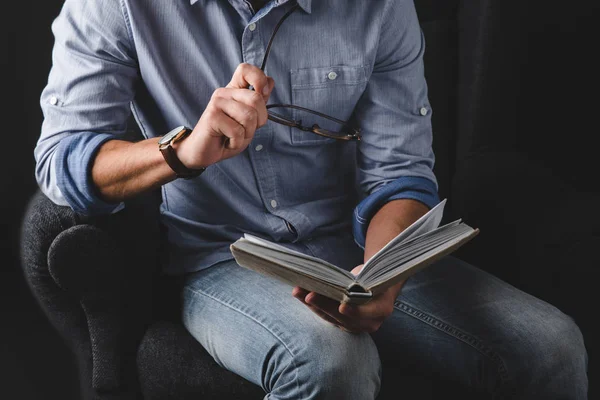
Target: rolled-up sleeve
{"x": 86, "y": 101}
{"x": 395, "y": 155}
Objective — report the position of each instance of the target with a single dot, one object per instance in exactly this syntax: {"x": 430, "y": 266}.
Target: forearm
{"x": 389, "y": 221}
{"x": 123, "y": 169}
{"x": 226, "y": 127}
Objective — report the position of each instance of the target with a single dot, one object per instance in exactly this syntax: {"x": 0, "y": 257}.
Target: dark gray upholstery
{"x": 97, "y": 279}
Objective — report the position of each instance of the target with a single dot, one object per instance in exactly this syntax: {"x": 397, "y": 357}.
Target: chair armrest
{"x": 93, "y": 277}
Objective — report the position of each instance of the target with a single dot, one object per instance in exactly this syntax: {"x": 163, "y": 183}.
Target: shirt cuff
{"x": 73, "y": 163}
{"x": 406, "y": 187}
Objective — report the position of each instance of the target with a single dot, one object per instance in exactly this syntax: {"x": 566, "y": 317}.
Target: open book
{"x": 417, "y": 246}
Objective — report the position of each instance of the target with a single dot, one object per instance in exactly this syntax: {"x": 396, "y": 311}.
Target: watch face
{"x": 172, "y": 134}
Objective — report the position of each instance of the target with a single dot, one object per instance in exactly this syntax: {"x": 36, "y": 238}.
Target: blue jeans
{"x": 451, "y": 320}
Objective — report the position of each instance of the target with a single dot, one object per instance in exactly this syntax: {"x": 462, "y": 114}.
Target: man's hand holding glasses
{"x": 230, "y": 119}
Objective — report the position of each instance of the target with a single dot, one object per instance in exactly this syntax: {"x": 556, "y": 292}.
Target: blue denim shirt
{"x": 162, "y": 59}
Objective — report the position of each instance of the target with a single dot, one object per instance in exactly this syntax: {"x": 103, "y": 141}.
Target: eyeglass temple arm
{"x": 264, "y": 61}
{"x": 308, "y": 110}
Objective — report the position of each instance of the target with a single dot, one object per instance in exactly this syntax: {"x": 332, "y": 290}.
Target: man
{"x": 168, "y": 63}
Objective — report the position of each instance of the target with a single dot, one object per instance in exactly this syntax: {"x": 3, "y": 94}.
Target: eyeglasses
{"x": 320, "y": 124}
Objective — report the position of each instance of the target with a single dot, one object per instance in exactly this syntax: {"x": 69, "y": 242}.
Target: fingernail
{"x": 266, "y": 90}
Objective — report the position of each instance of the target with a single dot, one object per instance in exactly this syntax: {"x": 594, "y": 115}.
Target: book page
{"x": 288, "y": 275}
{"x": 428, "y": 222}
{"x": 274, "y": 246}
{"x": 416, "y": 264}
{"x": 396, "y": 257}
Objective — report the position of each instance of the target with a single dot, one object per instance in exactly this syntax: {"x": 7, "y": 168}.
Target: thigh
{"x": 456, "y": 321}
{"x": 252, "y": 325}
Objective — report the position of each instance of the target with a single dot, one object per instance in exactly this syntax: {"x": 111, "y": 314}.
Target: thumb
{"x": 269, "y": 88}
{"x": 356, "y": 270}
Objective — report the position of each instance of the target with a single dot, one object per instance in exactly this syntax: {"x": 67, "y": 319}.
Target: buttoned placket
{"x": 253, "y": 50}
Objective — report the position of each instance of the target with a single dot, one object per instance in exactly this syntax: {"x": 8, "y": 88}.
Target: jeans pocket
{"x": 333, "y": 91}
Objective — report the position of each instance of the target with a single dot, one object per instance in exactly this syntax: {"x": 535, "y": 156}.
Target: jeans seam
{"x": 458, "y": 334}
{"x": 196, "y": 292}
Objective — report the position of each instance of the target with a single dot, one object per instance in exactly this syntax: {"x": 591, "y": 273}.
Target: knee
{"x": 556, "y": 353}
{"x": 559, "y": 342}
{"x": 348, "y": 362}
{"x": 333, "y": 364}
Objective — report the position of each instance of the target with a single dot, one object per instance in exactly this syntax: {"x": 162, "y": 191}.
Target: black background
{"x": 551, "y": 54}
{"x": 34, "y": 362}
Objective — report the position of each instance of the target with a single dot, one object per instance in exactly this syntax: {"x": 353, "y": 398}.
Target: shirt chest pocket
{"x": 333, "y": 91}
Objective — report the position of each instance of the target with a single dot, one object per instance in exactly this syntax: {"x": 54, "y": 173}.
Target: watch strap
{"x": 177, "y": 166}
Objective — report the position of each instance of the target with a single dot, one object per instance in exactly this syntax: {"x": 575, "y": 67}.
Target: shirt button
{"x": 252, "y": 27}
{"x": 424, "y": 111}
{"x": 332, "y": 75}
{"x": 259, "y": 147}
{"x": 273, "y": 204}
{"x": 53, "y": 100}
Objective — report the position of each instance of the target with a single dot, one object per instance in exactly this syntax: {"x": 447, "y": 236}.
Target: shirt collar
{"x": 304, "y": 4}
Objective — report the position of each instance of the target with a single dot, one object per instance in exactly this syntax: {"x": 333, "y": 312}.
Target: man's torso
{"x": 290, "y": 186}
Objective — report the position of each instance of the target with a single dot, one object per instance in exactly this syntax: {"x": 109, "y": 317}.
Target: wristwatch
{"x": 165, "y": 145}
